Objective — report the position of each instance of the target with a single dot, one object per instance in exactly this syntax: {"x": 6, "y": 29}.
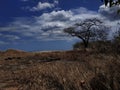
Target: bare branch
{"x": 89, "y": 29}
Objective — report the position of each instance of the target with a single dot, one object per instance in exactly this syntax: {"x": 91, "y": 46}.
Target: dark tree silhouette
{"x": 88, "y": 30}
{"x": 111, "y": 2}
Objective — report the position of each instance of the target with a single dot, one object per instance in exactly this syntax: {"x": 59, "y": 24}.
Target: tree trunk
{"x": 85, "y": 44}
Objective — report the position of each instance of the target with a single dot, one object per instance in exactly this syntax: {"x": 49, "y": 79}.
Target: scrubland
{"x": 59, "y": 70}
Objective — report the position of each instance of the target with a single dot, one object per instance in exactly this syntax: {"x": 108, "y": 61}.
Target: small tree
{"x": 88, "y": 30}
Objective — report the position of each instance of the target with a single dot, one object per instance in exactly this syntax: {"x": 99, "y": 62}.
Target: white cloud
{"x": 83, "y": 10}
{"x": 110, "y": 16}
{"x": 110, "y": 13}
{"x": 42, "y": 6}
{"x": 49, "y": 26}
{"x": 57, "y": 16}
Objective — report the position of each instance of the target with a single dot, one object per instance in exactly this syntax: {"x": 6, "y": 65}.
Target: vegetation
{"x": 111, "y": 2}
{"x": 111, "y": 46}
{"x": 98, "y": 46}
{"x": 88, "y": 30}
{"x": 95, "y": 69}
{"x": 74, "y": 70}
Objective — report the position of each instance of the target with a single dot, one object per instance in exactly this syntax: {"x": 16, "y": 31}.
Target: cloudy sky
{"x": 35, "y": 25}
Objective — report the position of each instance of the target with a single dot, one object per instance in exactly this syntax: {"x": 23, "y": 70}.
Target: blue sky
{"x": 15, "y": 8}
{"x": 35, "y": 25}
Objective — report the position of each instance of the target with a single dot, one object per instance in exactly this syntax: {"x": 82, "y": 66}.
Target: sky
{"x": 37, "y": 25}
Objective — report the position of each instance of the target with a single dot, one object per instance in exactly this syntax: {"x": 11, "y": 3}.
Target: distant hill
{"x": 13, "y": 53}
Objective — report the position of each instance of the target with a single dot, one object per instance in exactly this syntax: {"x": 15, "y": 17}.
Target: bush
{"x": 78, "y": 45}
{"x": 98, "y": 46}
{"x": 99, "y": 82}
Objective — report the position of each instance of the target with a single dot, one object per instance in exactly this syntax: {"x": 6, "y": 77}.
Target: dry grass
{"x": 68, "y": 70}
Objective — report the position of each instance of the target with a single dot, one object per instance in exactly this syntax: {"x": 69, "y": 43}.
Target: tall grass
{"x": 75, "y": 70}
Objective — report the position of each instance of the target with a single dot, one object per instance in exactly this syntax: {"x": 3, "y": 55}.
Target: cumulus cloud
{"x": 49, "y": 26}
{"x": 42, "y": 6}
{"x": 52, "y": 24}
{"x": 83, "y": 10}
{"x": 110, "y": 16}
{"x": 110, "y": 13}
{"x": 57, "y": 16}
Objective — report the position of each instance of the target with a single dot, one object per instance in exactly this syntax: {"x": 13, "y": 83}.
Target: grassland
{"x": 59, "y": 70}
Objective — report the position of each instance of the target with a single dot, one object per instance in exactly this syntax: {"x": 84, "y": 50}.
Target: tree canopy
{"x": 88, "y": 30}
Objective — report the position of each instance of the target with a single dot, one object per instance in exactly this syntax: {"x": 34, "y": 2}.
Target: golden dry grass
{"x": 67, "y": 70}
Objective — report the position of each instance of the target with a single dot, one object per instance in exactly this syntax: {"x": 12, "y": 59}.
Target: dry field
{"x": 59, "y": 70}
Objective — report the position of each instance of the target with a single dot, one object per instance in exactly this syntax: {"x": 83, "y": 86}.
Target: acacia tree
{"x": 88, "y": 30}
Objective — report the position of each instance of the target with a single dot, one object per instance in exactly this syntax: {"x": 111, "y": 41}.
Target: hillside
{"x": 59, "y": 70}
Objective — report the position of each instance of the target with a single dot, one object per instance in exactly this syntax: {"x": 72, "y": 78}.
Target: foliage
{"x": 77, "y": 45}
{"x": 97, "y": 46}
